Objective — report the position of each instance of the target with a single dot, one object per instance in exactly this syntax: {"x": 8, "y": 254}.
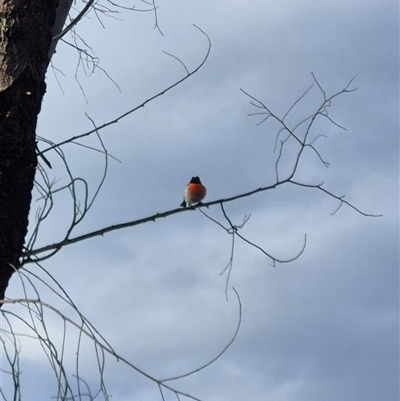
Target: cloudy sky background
{"x": 324, "y": 327}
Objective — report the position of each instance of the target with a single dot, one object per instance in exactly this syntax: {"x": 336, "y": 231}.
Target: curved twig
{"x": 221, "y": 353}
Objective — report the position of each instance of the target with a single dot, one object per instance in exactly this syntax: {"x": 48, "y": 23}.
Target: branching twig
{"x": 143, "y": 104}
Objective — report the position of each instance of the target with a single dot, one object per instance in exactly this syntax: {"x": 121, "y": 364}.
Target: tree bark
{"x": 25, "y": 38}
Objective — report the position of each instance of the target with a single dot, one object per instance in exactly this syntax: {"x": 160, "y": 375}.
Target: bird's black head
{"x": 195, "y": 180}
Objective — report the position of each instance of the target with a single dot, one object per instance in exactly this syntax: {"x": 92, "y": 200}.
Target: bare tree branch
{"x": 84, "y": 10}
{"x": 117, "y": 119}
{"x": 30, "y": 255}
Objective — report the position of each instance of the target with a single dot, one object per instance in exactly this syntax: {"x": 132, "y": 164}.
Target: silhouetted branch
{"x": 143, "y": 104}
{"x": 84, "y": 10}
{"x": 339, "y": 198}
{"x": 29, "y": 255}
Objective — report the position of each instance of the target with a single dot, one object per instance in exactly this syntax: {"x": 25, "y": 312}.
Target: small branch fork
{"x": 93, "y": 5}
{"x": 233, "y": 230}
{"x": 86, "y": 57}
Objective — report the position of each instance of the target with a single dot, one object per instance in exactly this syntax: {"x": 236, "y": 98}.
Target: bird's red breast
{"x": 195, "y": 192}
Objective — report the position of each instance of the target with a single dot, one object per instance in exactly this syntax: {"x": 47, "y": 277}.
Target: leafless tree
{"x": 41, "y": 26}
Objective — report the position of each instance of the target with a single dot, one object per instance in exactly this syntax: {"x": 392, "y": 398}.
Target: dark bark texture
{"x": 25, "y": 38}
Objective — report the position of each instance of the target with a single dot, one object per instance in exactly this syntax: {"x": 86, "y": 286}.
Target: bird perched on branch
{"x": 195, "y": 192}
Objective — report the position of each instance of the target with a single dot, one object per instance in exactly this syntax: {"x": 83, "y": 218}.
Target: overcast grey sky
{"x": 322, "y": 328}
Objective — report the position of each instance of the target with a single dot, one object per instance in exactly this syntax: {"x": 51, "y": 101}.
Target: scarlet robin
{"x": 195, "y": 192}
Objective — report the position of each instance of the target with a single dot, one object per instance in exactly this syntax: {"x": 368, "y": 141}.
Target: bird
{"x": 195, "y": 192}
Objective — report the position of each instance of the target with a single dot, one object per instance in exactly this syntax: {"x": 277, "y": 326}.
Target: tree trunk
{"x": 25, "y": 38}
